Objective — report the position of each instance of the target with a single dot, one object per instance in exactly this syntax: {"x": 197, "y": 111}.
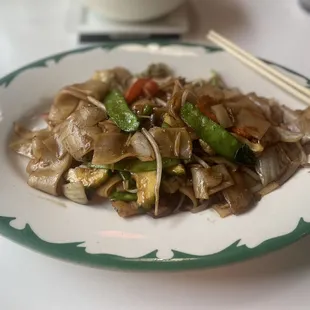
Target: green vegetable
{"x": 146, "y": 183}
{"x": 135, "y": 165}
{"x": 165, "y": 125}
{"x": 147, "y": 110}
{"x": 172, "y": 121}
{"x": 175, "y": 170}
{"x": 120, "y": 113}
{"x": 87, "y": 176}
{"x": 125, "y": 175}
{"x": 123, "y": 196}
{"x": 220, "y": 140}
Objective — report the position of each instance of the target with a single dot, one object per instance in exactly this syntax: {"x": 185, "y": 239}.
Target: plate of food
{"x": 152, "y": 157}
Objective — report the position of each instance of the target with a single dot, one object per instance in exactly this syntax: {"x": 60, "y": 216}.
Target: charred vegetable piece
{"x": 123, "y": 196}
{"x": 120, "y": 113}
{"x": 135, "y": 165}
{"x": 89, "y": 177}
{"x": 221, "y": 141}
{"x": 146, "y": 182}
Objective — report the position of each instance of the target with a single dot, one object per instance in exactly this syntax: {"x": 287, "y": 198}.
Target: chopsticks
{"x": 259, "y": 66}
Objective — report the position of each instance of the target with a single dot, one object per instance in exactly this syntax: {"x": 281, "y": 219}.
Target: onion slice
{"x": 201, "y": 207}
{"x": 189, "y": 192}
{"x": 97, "y": 103}
{"x": 184, "y": 97}
{"x": 251, "y": 173}
{"x": 221, "y": 160}
{"x": 75, "y": 192}
{"x": 222, "y": 115}
{"x": 159, "y": 166}
{"x": 200, "y": 161}
{"x": 287, "y": 135}
{"x": 177, "y": 144}
{"x": 160, "y": 102}
{"x": 180, "y": 203}
{"x": 142, "y": 147}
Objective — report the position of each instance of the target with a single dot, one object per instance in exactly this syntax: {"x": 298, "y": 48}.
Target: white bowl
{"x": 133, "y": 10}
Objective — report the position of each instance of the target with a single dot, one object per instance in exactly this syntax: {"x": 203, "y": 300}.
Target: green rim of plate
{"x": 75, "y": 252}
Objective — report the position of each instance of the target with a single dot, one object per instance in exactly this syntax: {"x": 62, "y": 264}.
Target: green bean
{"x": 120, "y": 113}
{"x": 220, "y": 140}
{"x": 135, "y": 165}
{"x": 123, "y": 196}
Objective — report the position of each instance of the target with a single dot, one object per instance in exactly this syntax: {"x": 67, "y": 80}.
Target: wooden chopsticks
{"x": 259, "y": 66}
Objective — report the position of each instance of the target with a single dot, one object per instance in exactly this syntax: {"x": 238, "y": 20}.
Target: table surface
{"x": 274, "y": 29}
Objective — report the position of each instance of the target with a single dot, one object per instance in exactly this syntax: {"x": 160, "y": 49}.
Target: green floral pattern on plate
{"x": 76, "y": 253}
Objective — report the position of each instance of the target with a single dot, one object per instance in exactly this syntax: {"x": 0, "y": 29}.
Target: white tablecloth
{"x": 274, "y": 29}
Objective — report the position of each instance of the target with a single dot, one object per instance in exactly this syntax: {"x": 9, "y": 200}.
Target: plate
{"x": 95, "y": 235}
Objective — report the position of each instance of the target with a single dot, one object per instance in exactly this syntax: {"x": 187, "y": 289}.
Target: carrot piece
{"x": 241, "y": 131}
{"x": 135, "y": 90}
{"x": 204, "y": 109}
{"x": 150, "y": 88}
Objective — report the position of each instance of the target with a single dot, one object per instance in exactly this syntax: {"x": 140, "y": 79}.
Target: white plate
{"x": 96, "y": 235}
